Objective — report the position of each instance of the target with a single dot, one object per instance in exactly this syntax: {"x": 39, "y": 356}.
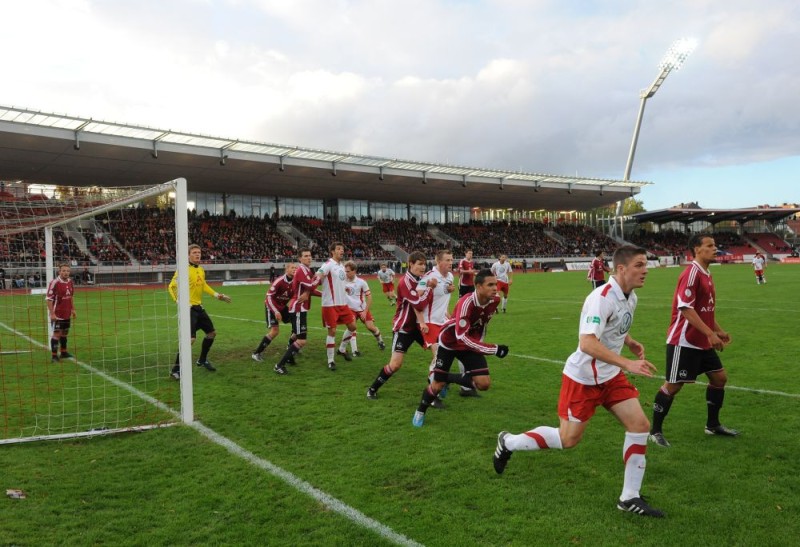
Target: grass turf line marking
{"x": 350, "y": 513}
{"x": 735, "y": 388}
{"x": 557, "y": 362}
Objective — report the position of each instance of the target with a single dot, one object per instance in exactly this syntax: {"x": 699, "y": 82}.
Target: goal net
{"x": 109, "y": 370}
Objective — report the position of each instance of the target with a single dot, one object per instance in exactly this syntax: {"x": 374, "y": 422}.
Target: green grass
{"x": 436, "y": 485}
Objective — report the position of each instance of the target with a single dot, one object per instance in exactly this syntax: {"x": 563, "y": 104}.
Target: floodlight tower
{"x": 673, "y": 60}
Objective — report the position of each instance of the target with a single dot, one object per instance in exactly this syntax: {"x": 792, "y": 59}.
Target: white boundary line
{"x": 557, "y": 362}
{"x": 728, "y": 386}
{"x": 350, "y": 513}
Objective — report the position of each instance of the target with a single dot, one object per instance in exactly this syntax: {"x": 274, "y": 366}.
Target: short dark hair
{"x": 416, "y": 256}
{"x": 697, "y": 241}
{"x": 481, "y": 276}
{"x": 302, "y": 250}
{"x": 598, "y": 252}
{"x": 624, "y": 254}
{"x": 332, "y": 246}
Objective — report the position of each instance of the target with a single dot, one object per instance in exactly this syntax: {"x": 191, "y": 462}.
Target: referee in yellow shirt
{"x": 199, "y": 318}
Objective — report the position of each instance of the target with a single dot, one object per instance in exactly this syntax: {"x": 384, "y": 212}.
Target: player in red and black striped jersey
{"x": 276, "y": 308}
{"x": 408, "y": 325}
{"x": 462, "y": 338}
{"x": 693, "y": 339}
{"x": 304, "y": 285}
{"x": 61, "y": 311}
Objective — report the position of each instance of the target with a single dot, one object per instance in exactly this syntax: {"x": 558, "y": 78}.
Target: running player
{"x": 412, "y": 294}
{"x": 466, "y": 274}
{"x": 386, "y": 277}
{"x": 61, "y": 310}
{"x": 462, "y": 338}
{"x": 594, "y": 376}
{"x": 276, "y": 308}
{"x": 693, "y": 339}
{"x": 502, "y": 270}
{"x": 335, "y": 310}
{"x": 759, "y": 264}
{"x": 359, "y": 299}
{"x": 598, "y": 269}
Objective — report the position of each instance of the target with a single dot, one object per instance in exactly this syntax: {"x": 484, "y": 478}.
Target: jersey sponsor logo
{"x": 593, "y": 319}
{"x": 627, "y": 321}
{"x": 707, "y": 308}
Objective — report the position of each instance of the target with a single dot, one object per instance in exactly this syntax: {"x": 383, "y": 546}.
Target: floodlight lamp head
{"x": 677, "y": 54}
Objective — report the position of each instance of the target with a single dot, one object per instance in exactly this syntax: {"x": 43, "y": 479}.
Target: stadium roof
{"x": 714, "y": 216}
{"x": 46, "y": 148}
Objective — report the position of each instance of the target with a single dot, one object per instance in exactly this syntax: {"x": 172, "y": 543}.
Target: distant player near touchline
{"x": 198, "y": 317}
{"x": 303, "y": 287}
{"x": 61, "y": 311}
{"x": 335, "y": 311}
{"x": 386, "y": 277}
{"x": 359, "y": 299}
{"x": 759, "y": 265}
{"x": 466, "y": 274}
{"x": 598, "y": 269}
{"x": 593, "y": 376}
{"x": 693, "y": 339}
{"x": 412, "y": 293}
{"x": 502, "y": 270}
{"x": 276, "y": 309}
{"x": 462, "y": 338}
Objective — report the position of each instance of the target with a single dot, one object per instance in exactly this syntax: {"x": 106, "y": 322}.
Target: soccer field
{"x": 435, "y": 485}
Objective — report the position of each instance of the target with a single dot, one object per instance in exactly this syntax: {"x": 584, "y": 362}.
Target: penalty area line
{"x": 335, "y": 505}
{"x": 735, "y": 388}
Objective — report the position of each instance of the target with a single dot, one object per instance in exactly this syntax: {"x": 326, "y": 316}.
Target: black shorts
{"x": 598, "y": 283}
{"x": 465, "y": 289}
{"x": 270, "y": 317}
{"x": 402, "y": 341}
{"x": 299, "y": 324}
{"x": 200, "y": 321}
{"x": 474, "y": 363}
{"x": 684, "y": 365}
{"x": 61, "y": 325}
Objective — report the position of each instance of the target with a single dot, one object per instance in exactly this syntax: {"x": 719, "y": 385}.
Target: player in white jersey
{"x": 359, "y": 299}
{"x": 502, "y": 270}
{"x": 386, "y": 277}
{"x": 335, "y": 310}
{"x": 759, "y": 263}
{"x": 437, "y": 313}
{"x": 594, "y": 376}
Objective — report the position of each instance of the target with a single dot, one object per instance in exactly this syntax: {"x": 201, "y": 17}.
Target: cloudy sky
{"x": 545, "y": 86}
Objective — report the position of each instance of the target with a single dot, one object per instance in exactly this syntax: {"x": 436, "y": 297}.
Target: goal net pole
{"x": 184, "y": 314}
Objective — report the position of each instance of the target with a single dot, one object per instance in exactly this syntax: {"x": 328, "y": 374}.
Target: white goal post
{"x": 110, "y": 369}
